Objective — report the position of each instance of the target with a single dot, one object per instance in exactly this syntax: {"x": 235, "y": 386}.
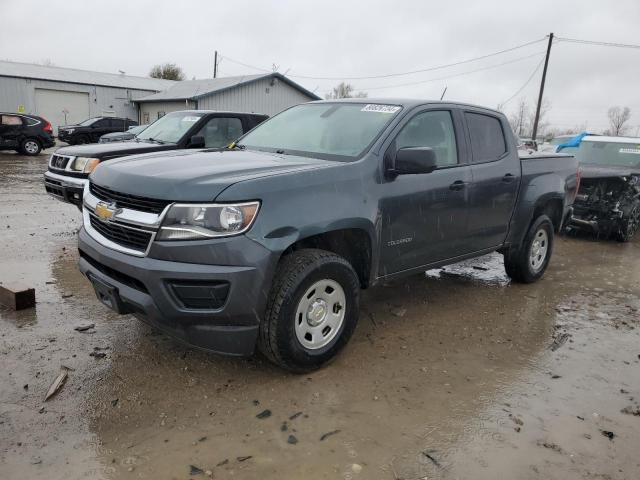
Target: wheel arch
{"x": 354, "y": 244}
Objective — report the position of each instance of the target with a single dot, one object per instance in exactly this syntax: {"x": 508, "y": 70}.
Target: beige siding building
{"x": 265, "y": 93}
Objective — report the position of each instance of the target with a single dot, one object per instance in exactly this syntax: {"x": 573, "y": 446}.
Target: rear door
{"x": 496, "y": 178}
{"x": 424, "y": 217}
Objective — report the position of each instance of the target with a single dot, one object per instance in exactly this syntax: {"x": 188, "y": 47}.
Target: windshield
{"x": 609, "y": 153}
{"x": 88, "y": 121}
{"x": 171, "y": 127}
{"x": 334, "y": 131}
{"x": 137, "y": 129}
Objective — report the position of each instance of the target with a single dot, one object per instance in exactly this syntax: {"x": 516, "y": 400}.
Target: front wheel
{"x": 30, "y": 146}
{"x": 312, "y": 310}
{"x": 529, "y": 262}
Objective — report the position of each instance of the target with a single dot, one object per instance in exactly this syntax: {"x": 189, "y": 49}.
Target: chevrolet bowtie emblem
{"x": 107, "y": 211}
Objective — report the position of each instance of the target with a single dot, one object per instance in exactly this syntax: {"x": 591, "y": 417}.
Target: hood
{"x": 195, "y": 175}
{"x": 606, "y": 171}
{"x": 105, "y": 151}
{"x": 67, "y": 127}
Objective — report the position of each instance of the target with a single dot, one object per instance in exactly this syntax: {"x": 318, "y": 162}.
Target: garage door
{"x": 62, "y": 108}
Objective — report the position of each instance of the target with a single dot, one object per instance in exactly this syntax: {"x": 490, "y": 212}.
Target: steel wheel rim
{"x": 539, "y": 249}
{"x": 31, "y": 146}
{"x": 320, "y": 314}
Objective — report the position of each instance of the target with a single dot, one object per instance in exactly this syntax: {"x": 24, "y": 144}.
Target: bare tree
{"x": 344, "y": 90}
{"x": 618, "y": 117}
{"x": 522, "y": 119}
{"x": 519, "y": 119}
{"x": 167, "y": 71}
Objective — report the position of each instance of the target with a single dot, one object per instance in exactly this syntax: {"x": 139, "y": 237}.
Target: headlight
{"x": 85, "y": 164}
{"x": 200, "y": 221}
{"x": 70, "y": 130}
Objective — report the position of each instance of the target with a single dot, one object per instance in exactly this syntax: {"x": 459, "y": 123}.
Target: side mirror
{"x": 415, "y": 160}
{"x": 197, "y": 141}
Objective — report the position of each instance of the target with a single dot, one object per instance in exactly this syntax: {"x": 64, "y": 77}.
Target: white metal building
{"x": 267, "y": 93}
{"x": 66, "y": 96}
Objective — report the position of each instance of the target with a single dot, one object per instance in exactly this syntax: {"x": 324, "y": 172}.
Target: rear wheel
{"x": 312, "y": 310}
{"x": 30, "y": 146}
{"x": 528, "y": 263}
{"x": 629, "y": 223}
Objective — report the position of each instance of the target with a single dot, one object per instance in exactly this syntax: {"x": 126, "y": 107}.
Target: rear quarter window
{"x": 11, "y": 120}
{"x": 487, "y": 137}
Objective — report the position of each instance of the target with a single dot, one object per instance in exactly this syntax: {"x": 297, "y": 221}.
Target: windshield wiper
{"x": 236, "y": 146}
{"x": 154, "y": 140}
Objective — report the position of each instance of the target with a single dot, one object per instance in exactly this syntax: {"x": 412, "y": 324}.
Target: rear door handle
{"x": 458, "y": 185}
{"x": 508, "y": 178}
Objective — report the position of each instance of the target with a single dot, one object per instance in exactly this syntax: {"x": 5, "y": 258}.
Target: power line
{"x": 446, "y": 77}
{"x": 535, "y": 70}
{"x": 389, "y": 75}
{"x": 593, "y": 42}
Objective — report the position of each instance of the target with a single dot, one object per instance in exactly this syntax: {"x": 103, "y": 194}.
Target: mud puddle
{"x": 452, "y": 374}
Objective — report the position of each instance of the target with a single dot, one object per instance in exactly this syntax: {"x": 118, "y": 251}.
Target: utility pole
{"x": 215, "y": 64}
{"x": 544, "y": 77}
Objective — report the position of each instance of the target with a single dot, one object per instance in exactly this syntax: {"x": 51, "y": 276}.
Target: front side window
{"x": 221, "y": 131}
{"x": 487, "y": 138}
{"x": 11, "y": 120}
{"x": 433, "y": 129}
{"x": 333, "y": 131}
{"x": 171, "y": 127}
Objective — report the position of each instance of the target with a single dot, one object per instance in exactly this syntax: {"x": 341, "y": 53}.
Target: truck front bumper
{"x": 66, "y": 189}
{"x": 152, "y": 289}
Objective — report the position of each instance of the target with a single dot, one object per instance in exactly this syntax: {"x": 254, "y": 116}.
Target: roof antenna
{"x": 443, "y": 92}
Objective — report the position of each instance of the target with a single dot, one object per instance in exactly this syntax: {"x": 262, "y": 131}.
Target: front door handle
{"x": 508, "y": 178}
{"x": 458, "y": 185}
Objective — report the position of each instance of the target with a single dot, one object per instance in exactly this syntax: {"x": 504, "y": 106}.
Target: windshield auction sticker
{"x": 190, "y": 119}
{"x": 372, "y": 107}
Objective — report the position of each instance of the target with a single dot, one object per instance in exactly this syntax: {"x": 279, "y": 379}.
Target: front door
{"x": 424, "y": 217}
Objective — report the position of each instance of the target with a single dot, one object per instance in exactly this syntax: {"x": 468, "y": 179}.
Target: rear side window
{"x": 31, "y": 121}
{"x": 11, "y": 120}
{"x": 487, "y": 138}
{"x": 117, "y": 123}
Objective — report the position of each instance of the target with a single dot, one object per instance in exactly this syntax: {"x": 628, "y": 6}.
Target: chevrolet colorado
{"x": 269, "y": 242}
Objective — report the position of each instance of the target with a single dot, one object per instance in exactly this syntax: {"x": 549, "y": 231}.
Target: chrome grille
{"x": 59, "y": 162}
{"x": 129, "y": 237}
{"x": 125, "y": 200}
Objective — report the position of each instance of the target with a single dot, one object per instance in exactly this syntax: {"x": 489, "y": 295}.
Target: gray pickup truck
{"x": 269, "y": 242}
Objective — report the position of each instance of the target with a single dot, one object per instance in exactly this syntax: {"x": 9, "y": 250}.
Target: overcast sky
{"x": 353, "y": 39}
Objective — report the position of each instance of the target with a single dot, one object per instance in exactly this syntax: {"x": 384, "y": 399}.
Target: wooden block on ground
{"x": 17, "y": 297}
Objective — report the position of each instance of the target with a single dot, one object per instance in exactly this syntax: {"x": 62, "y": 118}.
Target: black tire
{"x": 296, "y": 273}
{"x": 629, "y": 223}
{"x": 518, "y": 262}
{"x": 30, "y": 146}
{"x": 82, "y": 140}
